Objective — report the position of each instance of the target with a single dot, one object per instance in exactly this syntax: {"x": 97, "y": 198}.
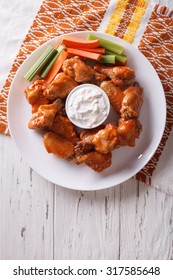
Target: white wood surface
{"x": 39, "y": 220}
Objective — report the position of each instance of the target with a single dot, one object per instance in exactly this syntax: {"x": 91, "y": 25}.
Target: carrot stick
{"x": 56, "y": 67}
{"x": 94, "y": 50}
{"x": 74, "y": 42}
{"x": 95, "y": 56}
{"x": 56, "y": 46}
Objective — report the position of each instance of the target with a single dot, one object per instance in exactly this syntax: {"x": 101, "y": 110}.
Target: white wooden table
{"x": 39, "y": 220}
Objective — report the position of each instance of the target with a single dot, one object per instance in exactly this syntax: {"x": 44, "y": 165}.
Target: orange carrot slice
{"x": 94, "y": 56}
{"x": 74, "y": 42}
{"x": 56, "y": 46}
{"x": 94, "y": 50}
{"x": 56, "y": 67}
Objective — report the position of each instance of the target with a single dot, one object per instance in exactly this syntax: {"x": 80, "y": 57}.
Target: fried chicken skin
{"x": 132, "y": 102}
{"x": 128, "y": 131}
{"x": 60, "y": 87}
{"x": 95, "y": 160}
{"x": 35, "y": 91}
{"x": 42, "y": 101}
{"x": 98, "y": 78}
{"x": 88, "y": 132}
{"x": 83, "y": 147}
{"x": 34, "y": 94}
{"x": 64, "y": 127}
{"x": 58, "y": 145}
{"x": 114, "y": 93}
{"x": 45, "y": 115}
{"x": 120, "y": 75}
{"x": 77, "y": 69}
{"x": 104, "y": 141}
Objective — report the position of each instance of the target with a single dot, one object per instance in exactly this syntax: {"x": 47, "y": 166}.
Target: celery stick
{"x": 50, "y": 64}
{"x": 107, "y": 59}
{"x": 40, "y": 63}
{"x": 108, "y": 52}
{"x": 122, "y": 58}
{"x": 107, "y": 44}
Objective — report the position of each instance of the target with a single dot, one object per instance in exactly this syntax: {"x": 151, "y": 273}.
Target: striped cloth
{"x": 143, "y": 23}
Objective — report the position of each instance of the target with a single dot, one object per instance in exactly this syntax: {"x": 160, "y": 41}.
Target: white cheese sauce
{"x": 87, "y": 106}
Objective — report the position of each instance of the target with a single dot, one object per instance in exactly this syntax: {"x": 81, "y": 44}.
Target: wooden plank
{"x": 128, "y": 200}
{"x": 130, "y": 221}
{"x": 86, "y": 224}
{"x": 26, "y": 208}
{"x": 146, "y": 224}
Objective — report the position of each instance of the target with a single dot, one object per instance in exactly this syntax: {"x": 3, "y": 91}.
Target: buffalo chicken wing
{"x": 60, "y": 87}
{"x": 104, "y": 141}
{"x": 120, "y": 75}
{"x": 128, "y": 131}
{"x": 114, "y": 93}
{"x": 78, "y": 69}
{"x": 45, "y": 115}
{"x": 95, "y": 160}
{"x": 63, "y": 126}
{"x": 132, "y": 102}
{"x": 58, "y": 145}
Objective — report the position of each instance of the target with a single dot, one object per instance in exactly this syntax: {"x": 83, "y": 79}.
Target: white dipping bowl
{"x": 87, "y": 106}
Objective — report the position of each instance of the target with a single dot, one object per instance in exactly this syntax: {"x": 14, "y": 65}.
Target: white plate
{"x": 126, "y": 161}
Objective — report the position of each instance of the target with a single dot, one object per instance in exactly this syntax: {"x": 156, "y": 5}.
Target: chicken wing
{"x": 128, "y": 131}
{"x": 60, "y": 87}
{"x": 120, "y": 75}
{"x": 98, "y": 78}
{"x": 58, "y": 145}
{"x": 95, "y": 160}
{"x": 88, "y": 132}
{"x": 83, "y": 147}
{"x": 34, "y": 94}
{"x": 77, "y": 69}
{"x": 104, "y": 141}
{"x": 114, "y": 93}
{"x": 45, "y": 115}
{"x": 132, "y": 102}
{"x": 35, "y": 91}
{"x": 63, "y": 126}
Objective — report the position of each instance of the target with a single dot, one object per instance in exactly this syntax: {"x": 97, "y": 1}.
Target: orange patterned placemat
{"x": 157, "y": 46}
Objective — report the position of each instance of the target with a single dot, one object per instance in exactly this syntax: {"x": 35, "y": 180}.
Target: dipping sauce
{"x": 87, "y": 106}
